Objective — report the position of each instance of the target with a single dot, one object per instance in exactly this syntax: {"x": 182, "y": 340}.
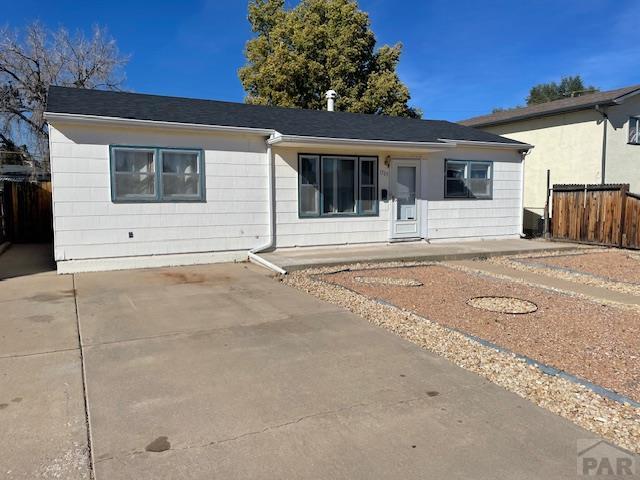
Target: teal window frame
{"x": 158, "y": 196}
{"x": 634, "y": 131}
{"x": 358, "y": 159}
{"x": 467, "y": 176}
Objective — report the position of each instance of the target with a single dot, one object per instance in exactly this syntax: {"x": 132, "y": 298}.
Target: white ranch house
{"x": 144, "y": 180}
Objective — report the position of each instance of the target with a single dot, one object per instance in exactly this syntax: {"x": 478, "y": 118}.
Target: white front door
{"x": 405, "y": 184}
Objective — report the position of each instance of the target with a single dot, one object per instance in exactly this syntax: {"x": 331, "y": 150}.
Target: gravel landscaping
{"x": 602, "y": 345}
{"x": 614, "y": 269}
{"x": 596, "y": 342}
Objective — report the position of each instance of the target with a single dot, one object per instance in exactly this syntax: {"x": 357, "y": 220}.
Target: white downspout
{"x": 253, "y": 253}
{"x": 522, "y": 179}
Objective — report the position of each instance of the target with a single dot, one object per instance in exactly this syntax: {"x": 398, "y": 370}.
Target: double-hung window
{"x": 634, "y": 130}
{"x": 337, "y": 185}
{"x": 149, "y": 174}
{"x": 468, "y": 179}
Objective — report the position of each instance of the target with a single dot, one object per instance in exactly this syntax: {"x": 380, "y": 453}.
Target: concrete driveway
{"x": 222, "y": 372}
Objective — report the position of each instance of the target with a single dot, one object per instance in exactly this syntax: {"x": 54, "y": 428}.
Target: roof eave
{"x": 530, "y": 116}
{"x": 501, "y": 145}
{"x": 312, "y": 141}
{"x": 119, "y": 121}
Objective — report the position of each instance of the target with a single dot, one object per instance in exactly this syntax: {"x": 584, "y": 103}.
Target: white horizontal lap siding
{"x": 292, "y": 231}
{"x": 475, "y": 218}
{"x": 88, "y": 225}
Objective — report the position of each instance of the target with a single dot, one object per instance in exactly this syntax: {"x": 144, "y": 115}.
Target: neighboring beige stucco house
{"x": 587, "y": 139}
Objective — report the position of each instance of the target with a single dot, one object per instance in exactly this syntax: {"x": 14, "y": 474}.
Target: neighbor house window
{"x": 634, "y": 130}
{"x": 337, "y": 185}
{"x": 150, "y": 174}
{"x": 468, "y": 179}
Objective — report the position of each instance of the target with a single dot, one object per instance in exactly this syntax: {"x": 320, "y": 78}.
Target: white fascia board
{"x": 96, "y": 119}
{"x": 473, "y": 143}
{"x": 296, "y": 140}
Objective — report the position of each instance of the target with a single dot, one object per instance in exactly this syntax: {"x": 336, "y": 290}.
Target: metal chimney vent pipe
{"x": 331, "y": 95}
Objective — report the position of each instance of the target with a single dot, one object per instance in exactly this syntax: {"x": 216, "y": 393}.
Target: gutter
{"x": 302, "y": 139}
{"x": 474, "y": 143}
{"x": 253, "y": 253}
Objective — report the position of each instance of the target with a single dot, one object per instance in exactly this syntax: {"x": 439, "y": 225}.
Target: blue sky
{"x": 461, "y": 57}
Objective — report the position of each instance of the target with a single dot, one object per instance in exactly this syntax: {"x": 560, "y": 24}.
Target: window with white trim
{"x": 468, "y": 179}
{"x": 151, "y": 174}
{"x": 331, "y": 185}
{"x": 634, "y": 130}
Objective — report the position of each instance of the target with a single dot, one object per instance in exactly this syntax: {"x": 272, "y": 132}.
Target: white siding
{"x": 88, "y": 225}
{"x": 473, "y": 218}
{"x": 441, "y": 218}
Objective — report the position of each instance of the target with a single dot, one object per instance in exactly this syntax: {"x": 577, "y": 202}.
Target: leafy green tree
{"x": 300, "y": 53}
{"x": 568, "y": 87}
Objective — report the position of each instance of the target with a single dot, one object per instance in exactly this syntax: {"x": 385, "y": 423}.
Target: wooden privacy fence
{"x": 27, "y": 213}
{"x": 598, "y": 214}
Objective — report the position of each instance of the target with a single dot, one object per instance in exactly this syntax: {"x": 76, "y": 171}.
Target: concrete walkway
{"x": 553, "y": 282}
{"x": 42, "y": 415}
{"x": 298, "y": 258}
{"x": 222, "y": 372}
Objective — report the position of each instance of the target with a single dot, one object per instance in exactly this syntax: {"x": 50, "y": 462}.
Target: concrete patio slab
{"x": 282, "y": 385}
{"x": 44, "y": 430}
{"x": 166, "y": 301}
{"x": 42, "y": 415}
{"x": 38, "y": 314}
{"x": 291, "y": 259}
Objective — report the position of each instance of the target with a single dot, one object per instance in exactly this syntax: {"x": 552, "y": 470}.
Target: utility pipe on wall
{"x": 253, "y": 253}
{"x": 603, "y": 166}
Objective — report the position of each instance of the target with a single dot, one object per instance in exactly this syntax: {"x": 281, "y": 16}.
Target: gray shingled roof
{"x": 286, "y": 121}
{"x": 582, "y": 102}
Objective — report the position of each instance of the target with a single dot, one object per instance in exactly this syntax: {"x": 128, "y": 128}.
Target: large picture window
{"x": 149, "y": 174}
{"x": 331, "y": 185}
{"x": 468, "y": 179}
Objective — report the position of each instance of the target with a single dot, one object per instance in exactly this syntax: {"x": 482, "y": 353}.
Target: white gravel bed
{"x": 503, "y": 304}
{"x": 616, "y": 422}
{"x": 565, "y": 274}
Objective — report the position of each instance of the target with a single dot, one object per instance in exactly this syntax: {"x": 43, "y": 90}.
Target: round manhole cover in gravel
{"x": 503, "y": 304}
{"x": 396, "y": 282}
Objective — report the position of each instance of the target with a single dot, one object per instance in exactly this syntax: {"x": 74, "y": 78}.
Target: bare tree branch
{"x": 35, "y": 58}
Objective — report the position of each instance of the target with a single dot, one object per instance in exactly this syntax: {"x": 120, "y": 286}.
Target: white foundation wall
{"x": 88, "y": 225}
{"x": 292, "y": 231}
{"x": 459, "y": 219}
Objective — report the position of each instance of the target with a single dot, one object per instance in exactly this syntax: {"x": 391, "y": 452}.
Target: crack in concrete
{"x": 278, "y": 426}
{"x": 196, "y": 332}
{"x": 33, "y": 354}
